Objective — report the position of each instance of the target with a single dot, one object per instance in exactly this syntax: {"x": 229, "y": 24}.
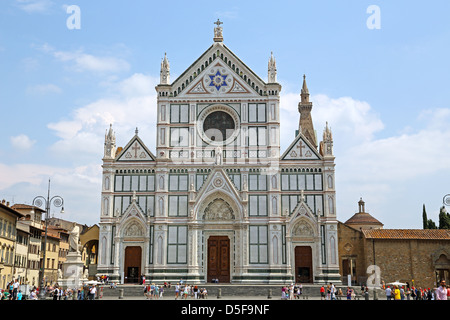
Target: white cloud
{"x": 44, "y": 89}
{"x": 34, "y": 6}
{"x": 22, "y": 142}
{"x": 133, "y": 104}
{"x": 88, "y": 62}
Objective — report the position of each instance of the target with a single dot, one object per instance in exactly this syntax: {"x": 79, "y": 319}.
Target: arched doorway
{"x": 303, "y": 264}
{"x": 132, "y": 266}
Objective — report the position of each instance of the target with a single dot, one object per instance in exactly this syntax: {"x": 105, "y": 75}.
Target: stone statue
{"x": 74, "y": 239}
{"x": 218, "y": 156}
{"x": 60, "y": 274}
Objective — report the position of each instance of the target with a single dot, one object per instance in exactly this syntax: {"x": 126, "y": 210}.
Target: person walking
{"x": 388, "y": 293}
{"x": 322, "y": 293}
{"x": 441, "y": 293}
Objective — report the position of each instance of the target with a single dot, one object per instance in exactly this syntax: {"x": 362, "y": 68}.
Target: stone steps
{"x": 213, "y": 290}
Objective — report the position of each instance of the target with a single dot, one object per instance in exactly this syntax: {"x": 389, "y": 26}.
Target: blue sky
{"x": 382, "y": 91}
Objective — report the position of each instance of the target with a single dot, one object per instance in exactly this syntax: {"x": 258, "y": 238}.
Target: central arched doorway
{"x": 218, "y": 259}
{"x": 132, "y": 267}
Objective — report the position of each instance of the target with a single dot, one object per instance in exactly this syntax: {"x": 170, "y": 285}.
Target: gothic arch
{"x": 214, "y": 195}
{"x": 302, "y": 227}
{"x": 134, "y": 228}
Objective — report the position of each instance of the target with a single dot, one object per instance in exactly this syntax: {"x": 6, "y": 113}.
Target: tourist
{"x": 161, "y": 291}
{"x": 441, "y": 293}
{"x": 283, "y": 293}
{"x": 92, "y": 292}
{"x": 396, "y": 293}
{"x": 195, "y": 292}
{"x": 408, "y": 293}
{"x": 349, "y": 293}
{"x": 177, "y": 290}
{"x": 388, "y": 293}
{"x": 33, "y": 295}
{"x": 402, "y": 293}
{"x": 322, "y": 293}
{"x": 333, "y": 291}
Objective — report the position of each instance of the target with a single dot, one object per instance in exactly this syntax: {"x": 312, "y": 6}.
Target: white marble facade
{"x": 218, "y": 174}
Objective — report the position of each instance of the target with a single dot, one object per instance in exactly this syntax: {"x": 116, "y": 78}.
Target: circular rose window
{"x": 219, "y": 126}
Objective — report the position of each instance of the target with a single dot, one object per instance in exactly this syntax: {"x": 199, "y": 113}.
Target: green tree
{"x": 444, "y": 219}
{"x": 424, "y": 217}
{"x": 431, "y": 224}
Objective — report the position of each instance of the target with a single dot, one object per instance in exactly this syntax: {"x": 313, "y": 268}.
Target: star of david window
{"x": 218, "y": 126}
{"x": 217, "y": 80}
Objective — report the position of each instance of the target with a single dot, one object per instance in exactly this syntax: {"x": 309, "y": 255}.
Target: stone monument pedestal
{"x": 72, "y": 272}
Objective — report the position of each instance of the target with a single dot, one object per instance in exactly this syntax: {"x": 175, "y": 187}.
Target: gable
{"x": 218, "y": 72}
{"x": 135, "y": 150}
{"x": 301, "y": 149}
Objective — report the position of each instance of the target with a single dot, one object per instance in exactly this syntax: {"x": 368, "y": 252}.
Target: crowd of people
{"x": 408, "y": 292}
{"x": 396, "y": 292}
{"x": 55, "y": 292}
{"x": 291, "y": 292}
{"x": 182, "y": 291}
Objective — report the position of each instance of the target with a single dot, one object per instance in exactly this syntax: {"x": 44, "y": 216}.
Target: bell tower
{"x": 306, "y": 126}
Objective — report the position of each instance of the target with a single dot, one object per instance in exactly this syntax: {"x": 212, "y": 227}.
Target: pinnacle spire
{"x": 272, "y": 69}
{"x": 165, "y": 70}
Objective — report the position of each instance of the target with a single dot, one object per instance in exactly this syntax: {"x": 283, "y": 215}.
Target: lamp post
{"x": 446, "y": 200}
{"x": 40, "y": 201}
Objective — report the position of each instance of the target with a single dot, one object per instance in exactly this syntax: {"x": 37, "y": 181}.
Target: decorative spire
{"x": 136, "y": 131}
{"x": 110, "y": 144}
{"x": 165, "y": 71}
{"x": 326, "y": 145}
{"x": 272, "y": 69}
{"x": 305, "y": 92}
{"x": 218, "y": 37}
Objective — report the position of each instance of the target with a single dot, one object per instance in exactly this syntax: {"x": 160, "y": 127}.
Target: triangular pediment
{"x": 218, "y": 183}
{"x": 218, "y": 72}
{"x": 133, "y": 220}
{"x": 301, "y": 149}
{"x": 135, "y": 150}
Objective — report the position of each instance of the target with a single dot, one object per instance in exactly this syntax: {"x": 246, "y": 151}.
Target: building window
{"x": 199, "y": 180}
{"x": 257, "y": 136}
{"x": 314, "y": 202}
{"x": 283, "y": 244}
{"x": 178, "y": 182}
{"x": 256, "y": 112}
{"x": 134, "y": 183}
{"x": 257, "y": 205}
{"x": 147, "y": 204}
{"x": 297, "y": 182}
{"x": 177, "y": 244}
{"x": 257, "y": 182}
{"x": 322, "y": 244}
{"x": 179, "y": 113}
{"x": 236, "y": 179}
{"x": 179, "y": 137}
{"x": 258, "y": 244}
{"x": 178, "y": 206}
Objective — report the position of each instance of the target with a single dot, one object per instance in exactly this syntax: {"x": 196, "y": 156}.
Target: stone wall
{"x": 405, "y": 260}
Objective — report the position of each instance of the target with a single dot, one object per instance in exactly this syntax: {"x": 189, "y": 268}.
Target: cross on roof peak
{"x": 218, "y": 22}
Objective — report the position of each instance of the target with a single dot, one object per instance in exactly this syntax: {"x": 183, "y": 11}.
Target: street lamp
{"x": 40, "y": 201}
{"x": 446, "y": 200}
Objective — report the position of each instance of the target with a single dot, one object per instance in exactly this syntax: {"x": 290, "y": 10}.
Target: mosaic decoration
{"x": 218, "y": 80}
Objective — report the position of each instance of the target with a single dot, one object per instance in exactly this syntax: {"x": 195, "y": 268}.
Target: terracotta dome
{"x": 362, "y": 219}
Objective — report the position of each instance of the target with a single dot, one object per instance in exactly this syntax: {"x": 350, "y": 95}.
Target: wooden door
{"x": 303, "y": 264}
{"x": 132, "y": 266}
{"x": 219, "y": 259}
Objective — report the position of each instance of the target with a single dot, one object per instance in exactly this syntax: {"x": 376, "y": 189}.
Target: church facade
{"x": 218, "y": 199}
